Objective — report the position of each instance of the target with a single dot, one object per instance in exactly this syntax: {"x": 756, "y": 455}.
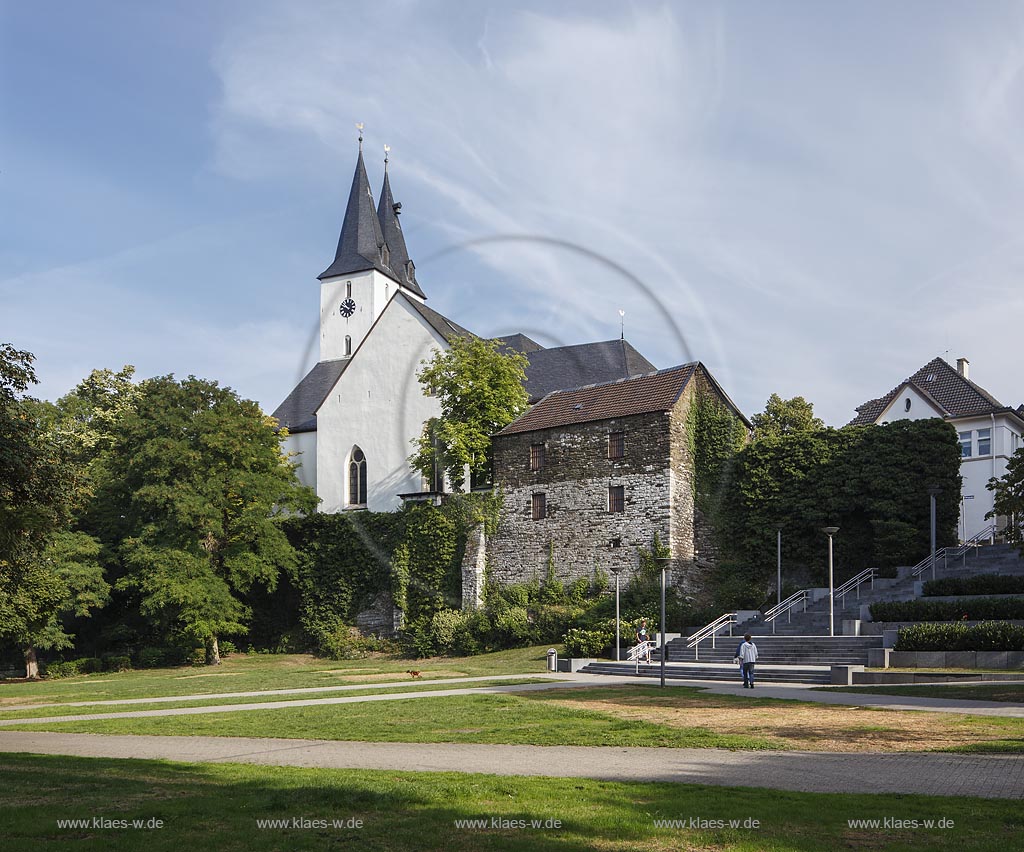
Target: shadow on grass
{"x": 217, "y": 807}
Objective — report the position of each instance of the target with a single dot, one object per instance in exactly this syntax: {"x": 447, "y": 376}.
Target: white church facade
{"x": 351, "y": 420}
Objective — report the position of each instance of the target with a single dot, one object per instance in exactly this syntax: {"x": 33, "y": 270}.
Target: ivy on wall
{"x": 715, "y": 434}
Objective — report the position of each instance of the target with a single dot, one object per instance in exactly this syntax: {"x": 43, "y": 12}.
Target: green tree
{"x": 785, "y": 417}
{"x": 46, "y": 571}
{"x": 480, "y": 389}
{"x": 1009, "y": 499}
{"x": 192, "y": 495}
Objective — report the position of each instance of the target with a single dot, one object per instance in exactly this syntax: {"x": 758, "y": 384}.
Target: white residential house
{"x": 989, "y": 431}
{"x": 352, "y": 418}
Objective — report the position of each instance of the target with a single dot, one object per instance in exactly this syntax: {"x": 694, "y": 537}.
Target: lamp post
{"x": 618, "y": 640}
{"x": 831, "y": 531}
{"x": 778, "y": 567}
{"x": 663, "y": 563}
{"x": 933, "y": 492}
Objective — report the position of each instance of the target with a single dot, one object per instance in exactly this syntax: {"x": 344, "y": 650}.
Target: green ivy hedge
{"x": 964, "y": 609}
{"x": 987, "y": 636}
{"x": 982, "y": 584}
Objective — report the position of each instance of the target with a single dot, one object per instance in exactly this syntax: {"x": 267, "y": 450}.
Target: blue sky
{"x": 815, "y": 199}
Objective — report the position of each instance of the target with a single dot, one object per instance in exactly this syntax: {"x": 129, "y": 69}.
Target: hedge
{"x": 982, "y": 584}
{"x": 963, "y": 609}
{"x": 987, "y": 636}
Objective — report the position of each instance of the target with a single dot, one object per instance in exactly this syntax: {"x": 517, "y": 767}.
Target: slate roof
{"x": 937, "y": 380}
{"x": 440, "y": 323}
{"x": 298, "y": 411}
{"x": 519, "y": 343}
{"x": 402, "y": 269}
{"x": 583, "y": 364}
{"x": 361, "y": 238}
{"x": 653, "y": 392}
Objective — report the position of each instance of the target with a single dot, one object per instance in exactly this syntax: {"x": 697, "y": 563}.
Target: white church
{"x": 352, "y": 418}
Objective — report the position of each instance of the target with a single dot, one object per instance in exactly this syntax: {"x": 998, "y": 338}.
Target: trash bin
{"x": 552, "y": 660}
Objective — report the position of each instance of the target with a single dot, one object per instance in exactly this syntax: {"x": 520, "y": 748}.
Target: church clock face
{"x": 348, "y": 307}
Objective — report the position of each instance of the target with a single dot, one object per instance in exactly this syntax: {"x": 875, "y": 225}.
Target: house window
{"x": 540, "y": 506}
{"x": 348, "y": 344}
{"x": 984, "y": 442}
{"x": 616, "y": 498}
{"x": 965, "y": 445}
{"x": 616, "y": 445}
{"x": 906, "y": 404}
{"x": 348, "y": 289}
{"x": 357, "y": 478}
{"x": 536, "y": 456}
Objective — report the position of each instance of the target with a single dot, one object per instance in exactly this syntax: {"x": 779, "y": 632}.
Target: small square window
{"x": 539, "y": 503}
{"x": 965, "y": 445}
{"x": 536, "y": 456}
{"x": 616, "y": 445}
{"x": 616, "y": 498}
{"x": 984, "y": 442}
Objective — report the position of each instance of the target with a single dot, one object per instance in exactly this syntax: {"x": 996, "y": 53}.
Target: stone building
{"x": 589, "y": 476}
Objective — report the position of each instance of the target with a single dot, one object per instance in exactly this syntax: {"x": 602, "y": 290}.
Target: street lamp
{"x": 831, "y": 531}
{"x": 663, "y": 563}
{"x": 933, "y": 492}
{"x": 618, "y": 642}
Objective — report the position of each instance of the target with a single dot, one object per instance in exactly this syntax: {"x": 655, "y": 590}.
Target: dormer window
{"x": 410, "y": 270}
{"x": 385, "y": 255}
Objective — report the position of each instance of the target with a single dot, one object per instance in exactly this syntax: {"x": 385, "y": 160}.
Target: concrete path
{"x": 992, "y": 776}
{"x": 798, "y": 692}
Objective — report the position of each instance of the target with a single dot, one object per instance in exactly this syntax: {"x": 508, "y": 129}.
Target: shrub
{"x": 196, "y": 657}
{"x": 973, "y": 609}
{"x": 227, "y": 647}
{"x": 982, "y": 584}
{"x": 987, "y": 636}
{"x": 71, "y": 668}
{"x": 579, "y": 591}
{"x": 61, "y": 668}
{"x": 151, "y": 658}
{"x": 117, "y": 663}
{"x": 587, "y": 643}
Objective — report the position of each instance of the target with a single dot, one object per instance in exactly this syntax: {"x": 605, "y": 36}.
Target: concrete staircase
{"x": 713, "y": 671}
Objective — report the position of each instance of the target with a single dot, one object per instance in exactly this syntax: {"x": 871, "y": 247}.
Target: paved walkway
{"x": 992, "y": 776}
{"x": 798, "y": 692}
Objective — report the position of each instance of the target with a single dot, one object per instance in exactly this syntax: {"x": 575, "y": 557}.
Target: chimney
{"x": 963, "y": 367}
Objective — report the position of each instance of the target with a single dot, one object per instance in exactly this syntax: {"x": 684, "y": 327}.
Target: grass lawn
{"x": 48, "y": 710}
{"x": 244, "y": 673}
{"x": 216, "y": 806}
{"x": 1009, "y": 692}
{"x": 615, "y": 716}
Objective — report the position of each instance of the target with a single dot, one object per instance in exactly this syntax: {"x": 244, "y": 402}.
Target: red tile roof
{"x": 635, "y": 395}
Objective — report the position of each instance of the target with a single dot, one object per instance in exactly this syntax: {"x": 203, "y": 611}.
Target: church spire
{"x": 361, "y": 246}
{"x": 402, "y": 268}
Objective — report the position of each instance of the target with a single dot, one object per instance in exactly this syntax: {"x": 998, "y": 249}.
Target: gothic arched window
{"x": 357, "y": 478}
{"x": 348, "y": 344}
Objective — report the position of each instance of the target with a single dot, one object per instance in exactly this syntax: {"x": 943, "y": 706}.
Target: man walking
{"x": 747, "y": 652}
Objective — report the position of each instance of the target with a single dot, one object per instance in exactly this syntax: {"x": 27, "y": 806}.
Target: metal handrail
{"x": 693, "y": 641}
{"x": 644, "y": 648}
{"x": 787, "y": 607}
{"x": 855, "y": 583}
{"x": 956, "y": 552}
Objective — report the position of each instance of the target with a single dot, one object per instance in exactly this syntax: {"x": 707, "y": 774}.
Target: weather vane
{"x": 387, "y": 150}
{"x": 622, "y": 324}
{"x": 359, "y": 127}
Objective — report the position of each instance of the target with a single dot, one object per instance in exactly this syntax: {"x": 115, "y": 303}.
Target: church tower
{"x": 370, "y": 265}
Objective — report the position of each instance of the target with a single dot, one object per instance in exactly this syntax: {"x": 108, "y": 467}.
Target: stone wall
{"x": 381, "y": 618}
{"x": 579, "y": 532}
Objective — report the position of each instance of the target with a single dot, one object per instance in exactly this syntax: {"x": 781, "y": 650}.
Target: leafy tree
{"x": 1009, "y": 499}
{"x": 785, "y": 417}
{"x": 45, "y": 570}
{"x": 192, "y": 495}
{"x": 480, "y": 389}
